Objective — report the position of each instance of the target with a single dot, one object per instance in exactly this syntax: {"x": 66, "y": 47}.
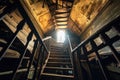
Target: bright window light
{"x": 61, "y": 36}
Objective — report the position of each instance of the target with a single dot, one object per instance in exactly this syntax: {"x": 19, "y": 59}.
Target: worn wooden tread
{"x": 61, "y": 21}
{"x": 59, "y": 62}
{"x": 58, "y": 68}
{"x": 58, "y": 75}
{"x": 63, "y": 12}
{"x": 26, "y": 57}
{"x": 60, "y": 58}
{"x": 59, "y": 55}
{"x": 62, "y": 9}
{"x": 65, "y": 18}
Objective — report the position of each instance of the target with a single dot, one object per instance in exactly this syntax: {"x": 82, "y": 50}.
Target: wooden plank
{"x": 59, "y": 68}
{"x": 57, "y": 75}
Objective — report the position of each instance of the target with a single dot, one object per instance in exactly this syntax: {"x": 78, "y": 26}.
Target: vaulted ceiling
{"x": 75, "y": 15}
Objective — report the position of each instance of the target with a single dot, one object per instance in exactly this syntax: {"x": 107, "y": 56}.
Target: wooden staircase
{"x": 61, "y": 17}
{"x": 58, "y": 66}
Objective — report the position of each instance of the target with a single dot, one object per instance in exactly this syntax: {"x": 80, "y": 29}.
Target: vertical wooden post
{"x": 32, "y": 57}
{"x": 22, "y": 56}
{"x": 88, "y": 64}
{"x": 38, "y": 61}
{"x": 80, "y": 73}
{"x": 107, "y": 41}
{"x": 94, "y": 46}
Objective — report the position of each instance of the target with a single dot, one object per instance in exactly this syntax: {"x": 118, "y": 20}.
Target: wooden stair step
{"x": 56, "y": 47}
{"x": 59, "y": 53}
{"x": 53, "y": 54}
{"x": 61, "y": 24}
{"x": 59, "y": 60}
{"x": 61, "y": 21}
{"x": 56, "y": 51}
{"x": 62, "y": 9}
{"x": 62, "y": 17}
{"x": 59, "y": 64}
{"x": 58, "y": 68}
{"x": 57, "y": 75}
{"x": 60, "y": 56}
{"x": 63, "y": 12}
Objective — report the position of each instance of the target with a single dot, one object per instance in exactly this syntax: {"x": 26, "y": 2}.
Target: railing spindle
{"x": 107, "y": 41}
{"x": 94, "y": 46}
{"x": 38, "y": 61}
{"x": 89, "y": 67}
{"x": 22, "y": 55}
{"x": 32, "y": 57}
{"x": 41, "y": 64}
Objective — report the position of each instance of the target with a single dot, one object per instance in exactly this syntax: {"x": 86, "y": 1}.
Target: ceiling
{"x": 75, "y": 15}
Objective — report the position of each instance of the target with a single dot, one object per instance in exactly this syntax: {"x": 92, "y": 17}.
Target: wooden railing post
{"x": 32, "y": 57}
{"x": 87, "y": 61}
{"x": 107, "y": 41}
{"x": 80, "y": 71}
{"x": 94, "y": 47}
{"x": 25, "y": 49}
{"x": 22, "y": 55}
{"x": 41, "y": 63}
{"x": 38, "y": 61}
